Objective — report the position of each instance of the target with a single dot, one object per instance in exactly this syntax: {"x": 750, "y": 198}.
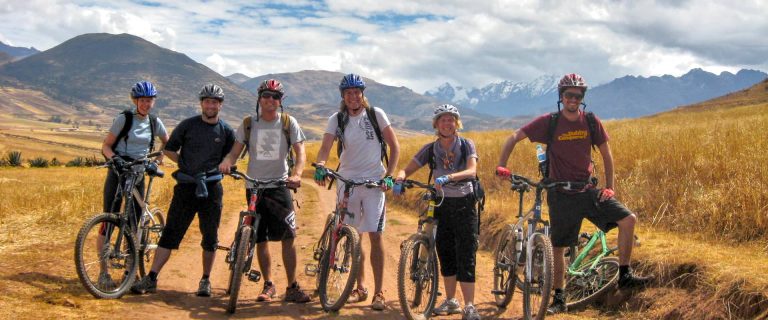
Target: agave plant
{"x": 13, "y": 158}
{"x": 38, "y": 162}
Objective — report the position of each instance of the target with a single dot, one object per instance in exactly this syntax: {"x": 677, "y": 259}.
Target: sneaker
{"x": 358, "y": 295}
{"x": 106, "y": 282}
{"x": 558, "y": 305}
{"x": 267, "y": 293}
{"x": 631, "y": 280}
{"x": 204, "y": 289}
{"x": 378, "y": 302}
{"x": 294, "y": 294}
{"x": 449, "y": 306}
{"x": 145, "y": 285}
{"x": 470, "y": 313}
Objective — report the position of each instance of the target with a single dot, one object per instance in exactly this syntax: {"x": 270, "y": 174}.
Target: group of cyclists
{"x": 205, "y": 148}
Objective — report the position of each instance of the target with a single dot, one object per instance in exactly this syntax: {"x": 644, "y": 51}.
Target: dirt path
{"x": 178, "y": 280}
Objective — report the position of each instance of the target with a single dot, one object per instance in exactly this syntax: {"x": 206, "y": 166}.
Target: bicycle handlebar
{"x": 336, "y": 175}
{"x": 522, "y": 183}
{"x": 256, "y": 182}
{"x": 413, "y": 183}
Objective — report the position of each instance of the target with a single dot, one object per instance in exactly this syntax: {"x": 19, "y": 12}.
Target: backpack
{"x": 342, "y": 118}
{"x": 553, "y": 118}
{"x": 286, "y": 121}
{"x": 128, "y": 113}
{"x": 477, "y": 188}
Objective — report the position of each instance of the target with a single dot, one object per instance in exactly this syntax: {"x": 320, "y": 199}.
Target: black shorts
{"x": 566, "y": 212}
{"x": 456, "y": 237}
{"x": 278, "y": 219}
{"x": 184, "y": 206}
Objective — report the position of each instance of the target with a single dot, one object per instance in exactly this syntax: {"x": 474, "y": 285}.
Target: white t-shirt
{"x": 268, "y": 147}
{"x": 361, "y": 156}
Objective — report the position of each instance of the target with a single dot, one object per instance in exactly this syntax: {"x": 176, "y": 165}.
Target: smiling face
{"x": 144, "y": 105}
{"x": 446, "y": 125}
{"x": 210, "y": 108}
{"x": 572, "y": 98}
{"x": 353, "y": 99}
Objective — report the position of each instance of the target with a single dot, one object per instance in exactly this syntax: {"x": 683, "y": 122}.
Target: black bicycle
{"x": 110, "y": 247}
{"x": 241, "y": 251}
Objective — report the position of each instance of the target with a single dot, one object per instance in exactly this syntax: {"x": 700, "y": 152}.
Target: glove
{"x": 119, "y": 163}
{"x": 503, "y": 172}
{"x": 320, "y": 173}
{"x": 606, "y": 194}
{"x": 442, "y": 180}
{"x": 387, "y": 181}
{"x": 398, "y": 189}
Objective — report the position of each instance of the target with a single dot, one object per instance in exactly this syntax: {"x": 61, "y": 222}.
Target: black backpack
{"x": 553, "y": 118}
{"x": 128, "y": 113}
{"x": 477, "y": 188}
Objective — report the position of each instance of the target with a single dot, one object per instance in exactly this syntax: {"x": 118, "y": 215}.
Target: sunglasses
{"x": 571, "y": 95}
{"x": 273, "y": 95}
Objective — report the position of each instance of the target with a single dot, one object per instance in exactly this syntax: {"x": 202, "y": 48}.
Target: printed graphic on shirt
{"x": 573, "y": 135}
{"x": 268, "y": 144}
{"x": 365, "y": 124}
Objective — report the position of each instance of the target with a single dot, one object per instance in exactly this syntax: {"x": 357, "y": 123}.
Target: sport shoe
{"x": 558, "y": 305}
{"x": 630, "y": 280}
{"x": 450, "y": 306}
{"x": 106, "y": 282}
{"x": 267, "y": 293}
{"x": 470, "y": 313}
{"x": 204, "y": 289}
{"x": 358, "y": 295}
{"x": 378, "y": 302}
{"x": 145, "y": 285}
{"x": 294, "y": 294}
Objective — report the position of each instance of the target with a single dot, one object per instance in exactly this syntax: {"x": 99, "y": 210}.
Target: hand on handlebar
{"x": 387, "y": 183}
{"x": 320, "y": 174}
{"x": 224, "y": 167}
{"x": 293, "y": 182}
{"x": 503, "y": 172}
{"x": 606, "y": 194}
{"x": 119, "y": 163}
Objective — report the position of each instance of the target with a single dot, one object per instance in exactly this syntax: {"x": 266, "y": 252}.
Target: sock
{"x": 623, "y": 270}
{"x": 152, "y": 275}
{"x": 268, "y": 283}
{"x": 206, "y": 276}
{"x": 559, "y": 293}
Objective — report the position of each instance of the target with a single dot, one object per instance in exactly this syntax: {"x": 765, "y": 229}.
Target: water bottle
{"x": 518, "y": 240}
{"x": 541, "y": 155}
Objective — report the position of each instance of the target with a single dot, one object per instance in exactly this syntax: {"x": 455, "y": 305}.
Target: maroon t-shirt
{"x": 570, "y": 152}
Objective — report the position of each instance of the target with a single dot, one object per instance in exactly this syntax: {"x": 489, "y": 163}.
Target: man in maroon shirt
{"x": 570, "y": 159}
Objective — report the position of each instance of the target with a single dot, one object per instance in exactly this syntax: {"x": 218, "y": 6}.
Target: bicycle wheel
{"x": 338, "y": 269}
{"x": 504, "y": 268}
{"x": 538, "y": 287}
{"x": 238, "y": 268}
{"x": 105, "y": 256}
{"x": 417, "y": 278}
{"x": 582, "y": 290}
{"x": 150, "y": 236}
{"x": 322, "y": 247}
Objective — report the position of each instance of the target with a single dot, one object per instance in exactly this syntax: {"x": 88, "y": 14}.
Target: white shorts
{"x": 366, "y": 207}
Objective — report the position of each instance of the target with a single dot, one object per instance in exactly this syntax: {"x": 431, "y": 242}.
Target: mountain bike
{"x": 241, "y": 251}
{"x": 110, "y": 247}
{"x": 338, "y": 250}
{"x": 512, "y": 267}
{"x": 417, "y": 276}
{"x": 590, "y": 275}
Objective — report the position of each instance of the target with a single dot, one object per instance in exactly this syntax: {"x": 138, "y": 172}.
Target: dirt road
{"x": 178, "y": 280}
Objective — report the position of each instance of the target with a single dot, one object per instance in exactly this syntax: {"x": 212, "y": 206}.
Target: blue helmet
{"x": 143, "y": 89}
{"x": 351, "y": 81}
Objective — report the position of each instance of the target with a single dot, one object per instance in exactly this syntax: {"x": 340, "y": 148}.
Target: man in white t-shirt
{"x": 361, "y": 160}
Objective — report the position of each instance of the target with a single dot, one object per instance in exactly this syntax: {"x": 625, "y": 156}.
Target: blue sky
{"x": 421, "y": 44}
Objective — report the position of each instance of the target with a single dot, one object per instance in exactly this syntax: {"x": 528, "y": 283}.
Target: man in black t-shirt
{"x": 204, "y": 141}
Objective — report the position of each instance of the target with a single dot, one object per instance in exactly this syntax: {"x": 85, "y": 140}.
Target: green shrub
{"x": 76, "y": 162}
{"x": 93, "y": 161}
{"x": 13, "y": 158}
{"x": 38, "y": 162}
{"x": 55, "y": 162}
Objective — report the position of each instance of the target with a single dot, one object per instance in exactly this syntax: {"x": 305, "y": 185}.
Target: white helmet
{"x": 443, "y": 109}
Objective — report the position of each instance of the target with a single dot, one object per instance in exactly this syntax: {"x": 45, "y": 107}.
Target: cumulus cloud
{"x": 421, "y": 44}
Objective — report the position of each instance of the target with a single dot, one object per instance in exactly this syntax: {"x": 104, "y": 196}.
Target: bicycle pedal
{"x": 222, "y": 248}
{"x": 499, "y": 292}
{"x": 254, "y": 276}
{"x": 311, "y": 270}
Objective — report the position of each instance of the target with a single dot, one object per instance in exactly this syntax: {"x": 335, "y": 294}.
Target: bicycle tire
{"x": 504, "y": 268}
{"x": 334, "y": 291}
{"x": 150, "y": 237}
{"x": 581, "y": 291}
{"x": 119, "y": 264}
{"x": 236, "y": 277}
{"x": 538, "y": 288}
{"x": 424, "y": 278}
{"x": 322, "y": 247}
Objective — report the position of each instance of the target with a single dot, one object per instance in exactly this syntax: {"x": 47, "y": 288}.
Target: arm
{"x": 469, "y": 173}
{"x": 322, "y": 154}
{"x": 394, "y": 149}
{"x": 509, "y": 146}
{"x": 106, "y": 146}
{"x": 164, "y": 140}
{"x": 173, "y": 155}
{"x": 231, "y": 157}
{"x": 300, "y": 157}
{"x": 605, "y": 151}
{"x": 409, "y": 170}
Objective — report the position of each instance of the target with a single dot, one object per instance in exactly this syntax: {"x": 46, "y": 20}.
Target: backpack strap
{"x": 152, "y": 124}
{"x": 123, "y": 134}
{"x": 247, "y": 130}
{"x": 342, "y": 118}
{"x": 431, "y": 160}
{"x": 286, "y": 124}
{"x": 592, "y": 123}
{"x": 375, "y": 123}
{"x": 341, "y": 122}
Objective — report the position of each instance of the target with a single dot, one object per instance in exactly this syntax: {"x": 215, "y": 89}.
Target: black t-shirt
{"x": 203, "y": 145}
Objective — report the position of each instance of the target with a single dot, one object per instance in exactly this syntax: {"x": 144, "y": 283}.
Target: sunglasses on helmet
{"x": 273, "y": 95}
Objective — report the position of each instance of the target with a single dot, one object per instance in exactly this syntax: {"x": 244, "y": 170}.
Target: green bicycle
{"x": 590, "y": 275}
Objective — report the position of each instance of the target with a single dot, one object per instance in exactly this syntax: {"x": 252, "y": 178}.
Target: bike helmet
{"x": 271, "y": 85}
{"x": 351, "y": 81}
{"x": 571, "y": 80}
{"x": 211, "y": 91}
{"x": 143, "y": 89}
{"x": 443, "y": 109}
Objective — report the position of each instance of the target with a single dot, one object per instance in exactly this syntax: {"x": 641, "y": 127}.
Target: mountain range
{"x": 17, "y": 52}
{"x": 625, "y": 97}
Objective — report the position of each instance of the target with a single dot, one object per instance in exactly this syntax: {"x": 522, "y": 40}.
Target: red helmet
{"x": 271, "y": 85}
{"x": 572, "y": 80}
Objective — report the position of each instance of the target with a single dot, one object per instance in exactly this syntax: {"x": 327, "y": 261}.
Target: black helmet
{"x": 212, "y": 91}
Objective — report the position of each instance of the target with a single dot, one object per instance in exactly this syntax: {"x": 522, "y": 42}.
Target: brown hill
{"x": 754, "y": 95}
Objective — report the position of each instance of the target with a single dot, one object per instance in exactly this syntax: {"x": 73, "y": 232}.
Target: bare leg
{"x": 289, "y": 260}
{"x": 450, "y": 287}
{"x": 377, "y": 260}
{"x": 361, "y": 273}
{"x": 161, "y": 257}
{"x": 467, "y": 289}
{"x": 265, "y": 260}
{"x": 208, "y": 258}
{"x": 626, "y": 238}
{"x": 559, "y": 267}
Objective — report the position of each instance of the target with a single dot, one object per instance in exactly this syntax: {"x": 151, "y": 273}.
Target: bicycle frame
{"x": 576, "y": 265}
